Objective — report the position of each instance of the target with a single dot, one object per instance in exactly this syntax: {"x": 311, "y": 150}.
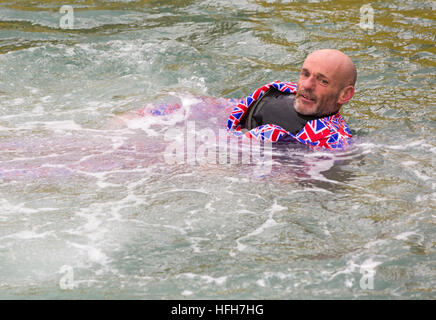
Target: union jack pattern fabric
{"x": 325, "y": 133}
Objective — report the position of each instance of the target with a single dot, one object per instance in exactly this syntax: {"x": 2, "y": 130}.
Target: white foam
{"x": 261, "y": 282}
{"x": 369, "y": 266}
{"x": 39, "y": 109}
{"x": 267, "y": 275}
{"x": 7, "y": 207}
{"x": 194, "y": 82}
{"x": 421, "y": 176}
{"x": 195, "y": 243}
{"x": 411, "y": 166}
{"x": 56, "y": 126}
{"x": 17, "y": 102}
{"x": 375, "y": 243}
{"x": 404, "y": 235}
{"x": 29, "y": 235}
{"x": 407, "y": 145}
{"x": 165, "y": 121}
{"x": 207, "y": 279}
{"x": 189, "y": 101}
{"x": 318, "y": 165}
{"x": 187, "y": 293}
{"x": 269, "y": 223}
{"x": 175, "y": 190}
{"x": 349, "y": 269}
{"x": 94, "y": 254}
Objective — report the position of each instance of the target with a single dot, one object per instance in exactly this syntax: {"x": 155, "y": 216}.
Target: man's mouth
{"x": 307, "y": 97}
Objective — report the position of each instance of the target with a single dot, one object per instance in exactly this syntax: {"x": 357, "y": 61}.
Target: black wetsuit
{"x": 276, "y": 107}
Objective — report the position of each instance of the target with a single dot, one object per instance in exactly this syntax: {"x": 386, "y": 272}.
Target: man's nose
{"x": 308, "y": 83}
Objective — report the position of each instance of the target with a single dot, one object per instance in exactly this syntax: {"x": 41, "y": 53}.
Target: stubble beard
{"x": 322, "y": 106}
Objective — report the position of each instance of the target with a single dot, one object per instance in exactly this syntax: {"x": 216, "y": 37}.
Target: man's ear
{"x": 346, "y": 94}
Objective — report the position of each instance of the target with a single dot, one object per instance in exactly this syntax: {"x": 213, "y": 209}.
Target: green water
{"x": 353, "y": 225}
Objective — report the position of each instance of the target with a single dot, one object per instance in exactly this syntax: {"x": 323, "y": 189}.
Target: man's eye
{"x": 324, "y": 82}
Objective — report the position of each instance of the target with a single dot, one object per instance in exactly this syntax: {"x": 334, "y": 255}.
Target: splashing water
{"x": 90, "y": 208}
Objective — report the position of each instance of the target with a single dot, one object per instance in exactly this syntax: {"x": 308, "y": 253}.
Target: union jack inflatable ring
{"x": 325, "y": 133}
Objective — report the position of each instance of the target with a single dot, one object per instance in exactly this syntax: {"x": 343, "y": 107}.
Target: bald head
{"x": 339, "y": 64}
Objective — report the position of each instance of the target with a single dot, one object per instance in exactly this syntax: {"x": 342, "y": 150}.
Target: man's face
{"x": 318, "y": 87}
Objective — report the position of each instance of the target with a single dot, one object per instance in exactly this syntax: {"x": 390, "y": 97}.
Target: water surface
{"x": 81, "y": 196}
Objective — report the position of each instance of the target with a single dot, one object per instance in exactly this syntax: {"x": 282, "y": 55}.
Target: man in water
{"x": 326, "y": 83}
{"x": 307, "y": 111}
